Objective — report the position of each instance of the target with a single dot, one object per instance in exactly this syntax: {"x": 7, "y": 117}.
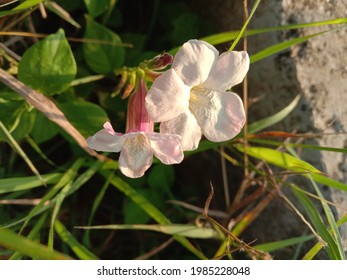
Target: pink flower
{"x": 138, "y": 145}
{"x": 191, "y": 98}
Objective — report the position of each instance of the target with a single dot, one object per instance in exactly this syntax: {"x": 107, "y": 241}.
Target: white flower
{"x": 191, "y": 99}
{"x": 138, "y": 145}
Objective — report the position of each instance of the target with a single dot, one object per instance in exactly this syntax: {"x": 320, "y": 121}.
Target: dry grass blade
{"x": 156, "y": 250}
{"x": 48, "y": 108}
{"x": 253, "y": 253}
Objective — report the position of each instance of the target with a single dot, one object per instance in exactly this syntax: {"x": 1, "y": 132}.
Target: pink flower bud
{"x": 160, "y": 61}
{"x": 137, "y": 116}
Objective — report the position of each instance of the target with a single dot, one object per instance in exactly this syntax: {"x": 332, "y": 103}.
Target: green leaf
{"x": 331, "y": 248}
{"x": 49, "y": 65}
{"x": 276, "y": 118}
{"x": 34, "y": 233}
{"x": 87, "y": 117}
{"x": 102, "y": 58}
{"x": 21, "y": 7}
{"x": 161, "y": 178}
{"x": 11, "y": 240}
{"x": 318, "y": 246}
{"x": 25, "y": 183}
{"x": 282, "y": 46}
{"x": 82, "y": 252}
{"x": 41, "y": 135}
{"x": 64, "y": 179}
{"x": 190, "y": 231}
{"x": 60, "y": 12}
{"x": 134, "y": 214}
{"x": 16, "y": 114}
{"x": 224, "y": 37}
{"x": 291, "y": 163}
{"x": 70, "y": 188}
{"x": 151, "y": 210}
{"x": 277, "y": 245}
{"x": 96, "y": 7}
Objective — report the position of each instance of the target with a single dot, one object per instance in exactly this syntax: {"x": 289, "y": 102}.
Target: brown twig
{"x": 48, "y": 108}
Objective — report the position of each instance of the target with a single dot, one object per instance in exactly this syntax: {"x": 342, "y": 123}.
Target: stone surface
{"x": 316, "y": 69}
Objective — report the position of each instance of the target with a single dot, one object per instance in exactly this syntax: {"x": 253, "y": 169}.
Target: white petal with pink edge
{"x": 187, "y": 127}
{"x": 220, "y": 115}
{"x": 194, "y": 61}
{"x": 167, "y": 98}
{"x": 229, "y": 70}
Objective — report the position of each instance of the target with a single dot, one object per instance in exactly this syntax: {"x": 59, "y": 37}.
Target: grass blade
{"x": 328, "y": 213}
{"x": 10, "y": 185}
{"x": 191, "y": 231}
{"x": 277, "y": 245}
{"x": 316, "y": 248}
{"x": 20, "y": 151}
{"x": 242, "y": 31}
{"x": 34, "y": 233}
{"x": 69, "y": 189}
{"x": 291, "y": 163}
{"x": 95, "y": 206}
{"x": 331, "y": 248}
{"x": 282, "y": 46}
{"x": 11, "y": 240}
{"x": 82, "y": 252}
{"x": 224, "y": 37}
{"x": 65, "y": 179}
{"x": 276, "y": 118}
{"x": 151, "y": 210}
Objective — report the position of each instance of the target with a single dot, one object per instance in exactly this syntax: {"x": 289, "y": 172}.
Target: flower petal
{"x": 187, "y": 127}
{"x": 194, "y": 61}
{"x": 136, "y": 155}
{"x": 220, "y": 115}
{"x": 167, "y": 98}
{"x": 106, "y": 142}
{"x": 166, "y": 147}
{"x": 229, "y": 70}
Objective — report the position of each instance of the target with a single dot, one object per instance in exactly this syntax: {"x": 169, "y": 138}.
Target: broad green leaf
{"x": 276, "y": 118}
{"x": 25, "y": 183}
{"x": 190, "y": 231}
{"x": 21, "y": 7}
{"x": 50, "y": 128}
{"x": 96, "y": 7}
{"x": 291, "y": 163}
{"x": 87, "y": 117}
{"x": 102, "y": 58}
{"x": 161, "y": 178}
{"x": 82, "y": 252}
{"x": 277, "y": 245}
{"x": 49, "y": 65}
{"x": 151, "y": 210}
{"x": 319, "y": 225}
{"x": 11, "y": 240}
{"x": 134, "y": 214}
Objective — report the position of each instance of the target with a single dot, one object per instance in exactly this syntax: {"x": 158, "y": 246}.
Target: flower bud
{"x": 160, "y": 61}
